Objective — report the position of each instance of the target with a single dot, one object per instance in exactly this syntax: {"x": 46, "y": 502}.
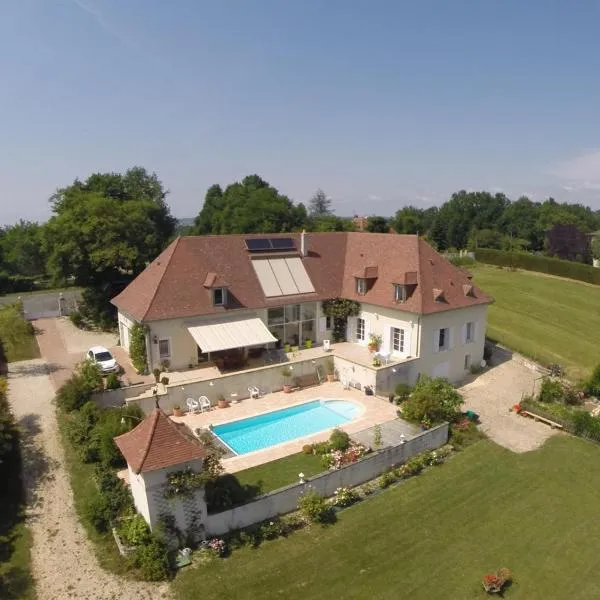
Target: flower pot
{"x": 223, "y": 404}
{"x": 177, "y": 412}
{"x": 372, "y": 347}
{"x": 330, "y": 377}
{"x": 287, "y": 388}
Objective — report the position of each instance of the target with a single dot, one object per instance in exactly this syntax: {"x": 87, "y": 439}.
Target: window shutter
{"x": 408, "y": 341}
{"x": 450, "y": 336}
{"x": 463, "y": 334}
{"x": 367, "y": 331}
{"x": 387, "y": 336}
{"x": 322, "y": 324}
{"x": 350, "y": 329}
{"x": 436, "y": 340}
{"x": 474, "y": 331}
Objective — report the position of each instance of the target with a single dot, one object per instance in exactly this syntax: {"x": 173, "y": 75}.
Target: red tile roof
{"x": 173, "y": 285}
{"x": 158, "y": 442}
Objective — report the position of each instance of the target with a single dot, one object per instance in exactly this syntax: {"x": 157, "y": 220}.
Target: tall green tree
{"x": 377, "y": 224}
{"x": 252, "y": 206}
{"x": 22, "y": 250}
{"x": 320, "y": 204}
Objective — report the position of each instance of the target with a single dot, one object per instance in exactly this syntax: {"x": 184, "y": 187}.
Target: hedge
{"x": 542, "y": 264}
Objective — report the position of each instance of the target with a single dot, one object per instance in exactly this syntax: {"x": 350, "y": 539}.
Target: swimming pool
{"x": 278, "y": 426}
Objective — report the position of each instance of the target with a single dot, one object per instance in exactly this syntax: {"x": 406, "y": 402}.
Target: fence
{"x": 286, "y": 499}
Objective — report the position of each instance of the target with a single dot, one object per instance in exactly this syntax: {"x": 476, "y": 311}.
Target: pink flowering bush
{"x": 338, "y": 458}
{"x": 217, "y": 546}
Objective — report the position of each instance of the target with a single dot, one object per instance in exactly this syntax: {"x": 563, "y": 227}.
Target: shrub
{"x": 98, "y": 512}
{"x": 73, "y": 394}
{"x": 76, "y": 318}
{"x": 344, "y": 496}
{"x": 543, "y": 264}
{"x": 551, "y": 390}
{"x": 313, "y": 507}
{"x": 135, "y": 531}
{"x": 339, "y": 440}
{"x": 386, "y": 479}
{"x": 402, "y": 392}
{"x": 432, "y": 400}
{"x": 113, "y": 382}
{"x": 592, "y": 385}
{"x": 153, "y": 561}
{"x": 308, "y": 449}
{"x": 321, "y": 448}
{"x": 164, "y": 380}
{"x": 413, "y": 466}
{"x": 586, "y": 426}
{"x": 137, "y": 348}
{"x": 464, "y": 434}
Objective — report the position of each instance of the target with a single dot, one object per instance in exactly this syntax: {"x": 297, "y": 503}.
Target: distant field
{"x": 551, "y": 320}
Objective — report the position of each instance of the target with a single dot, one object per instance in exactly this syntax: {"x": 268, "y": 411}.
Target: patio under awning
{"x": 232, "y": 333}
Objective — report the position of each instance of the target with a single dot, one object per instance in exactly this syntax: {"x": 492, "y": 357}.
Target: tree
{"x": 595, "y": 246}
{"x": 377, "y": 224}
{"x": 569, "y": 243}
{"x": 22, "y": 249}
{"x": 320, "y": 204}
{"x": 432, "y": 400}
{"x": 328, "y": 223}
{"x": 252, "y": 206}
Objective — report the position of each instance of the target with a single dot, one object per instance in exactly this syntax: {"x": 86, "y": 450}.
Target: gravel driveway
{"x": 493, "y": 393}
{"x": 63, "y": 563}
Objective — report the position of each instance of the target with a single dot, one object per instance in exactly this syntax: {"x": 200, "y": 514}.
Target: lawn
{"x": 549, "y": 319}
{"x": 17, "y": 336}
{"x": 279, "y": 473}
{"x": 434, "y": 536}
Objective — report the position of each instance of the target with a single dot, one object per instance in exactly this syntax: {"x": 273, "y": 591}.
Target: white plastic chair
{"x": 192, "y": 405}
{"x": 204, "y": 403}
{"x": 326, "y": 345}
{"x": 384, "y": 356}
{"x": 254, "y": 392}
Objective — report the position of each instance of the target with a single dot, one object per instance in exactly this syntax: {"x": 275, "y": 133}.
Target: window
{"x": 219, "y": 296}
{"x": 164, "y": 348}
{"x": 444, "y": 339}
{"x": 361, "y": 287}
{"x": 397, "y": 339}
{"x": 400, "y": 293}
{"x": 328, "y": 323}
{"x": 470, "y": 332}
{"x": 360, "y": 330}
{"x": 467, "y": 362}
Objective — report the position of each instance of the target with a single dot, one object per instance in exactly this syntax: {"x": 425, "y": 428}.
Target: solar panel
{"x": 283, "y": 244}
{"x": 258, "y": 244}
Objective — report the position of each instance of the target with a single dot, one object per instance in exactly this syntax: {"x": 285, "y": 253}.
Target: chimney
{"x": 303, "y": 250}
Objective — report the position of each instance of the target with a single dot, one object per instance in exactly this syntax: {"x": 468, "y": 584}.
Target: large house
{"x": 222, "y": 299}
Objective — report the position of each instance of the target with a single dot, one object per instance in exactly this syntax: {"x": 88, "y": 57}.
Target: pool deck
{"x": 374, "y": 411}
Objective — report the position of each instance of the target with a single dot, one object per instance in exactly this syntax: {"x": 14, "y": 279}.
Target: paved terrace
{"x": 374, "y": 411}
{"x": 354, "y": 353}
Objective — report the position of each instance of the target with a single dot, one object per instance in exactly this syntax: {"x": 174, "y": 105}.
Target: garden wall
{"x": 118, "y": 397}
{"x": 286, "y": 499}
{"x": 269, "y": 379}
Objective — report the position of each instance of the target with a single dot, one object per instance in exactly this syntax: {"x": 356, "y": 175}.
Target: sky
{"x": 379, "y": 103}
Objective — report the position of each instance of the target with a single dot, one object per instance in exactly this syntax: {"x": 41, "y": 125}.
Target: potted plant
{"x": 374, "y": 342}
{"x": 287, "y": 348}
{"x": 164, "y": 380}
{"x": 156, "y": 372}
{"x": 308, "y": 344}
{"x": 376, "y": 361}
{"x": 222, "y": 402}
{"x": 330, "y": 368}
{"x": 287, "y": 380}
{"x": 177, "y": 412}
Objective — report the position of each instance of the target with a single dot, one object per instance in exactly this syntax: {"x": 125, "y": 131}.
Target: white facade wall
{"x": 125, "y": 325}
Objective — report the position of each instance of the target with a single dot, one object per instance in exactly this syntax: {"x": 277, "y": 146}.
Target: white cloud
{"x": 581, "y": 172}
{"x": 374, "y": 198}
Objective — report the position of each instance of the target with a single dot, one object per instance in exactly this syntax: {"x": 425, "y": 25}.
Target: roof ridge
{"x": 175, "y": 245}
{"x": 155, "y": 415}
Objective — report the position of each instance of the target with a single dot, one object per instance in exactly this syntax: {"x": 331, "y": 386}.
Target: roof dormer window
{"x": 219, "y": 296}
{"x": 361, "y": 287}
{"x": 400, "y": 293}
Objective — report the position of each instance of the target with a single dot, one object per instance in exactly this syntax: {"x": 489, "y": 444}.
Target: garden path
{"x": 63, "y": 562}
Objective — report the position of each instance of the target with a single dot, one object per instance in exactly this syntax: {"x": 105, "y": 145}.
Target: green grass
{"x": 437, "y": 534}
{"x": 281, "y": 472}
{"x": 15, "y": 538}
{"x": 85, "y": 491}
{"x": 549, "y": 319}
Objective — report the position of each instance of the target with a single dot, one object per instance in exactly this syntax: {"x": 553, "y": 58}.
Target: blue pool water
{"x": 262, "y": 431}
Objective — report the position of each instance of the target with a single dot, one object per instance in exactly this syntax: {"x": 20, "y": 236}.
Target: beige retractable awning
{"x": 232, "y": 333}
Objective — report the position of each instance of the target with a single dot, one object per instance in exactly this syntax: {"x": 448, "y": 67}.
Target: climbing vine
{"x": 340, "y": 309}
{"x": 137, "y": 348}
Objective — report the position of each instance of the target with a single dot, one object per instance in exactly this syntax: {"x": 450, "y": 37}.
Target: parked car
{"x": 103, "y": 358}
